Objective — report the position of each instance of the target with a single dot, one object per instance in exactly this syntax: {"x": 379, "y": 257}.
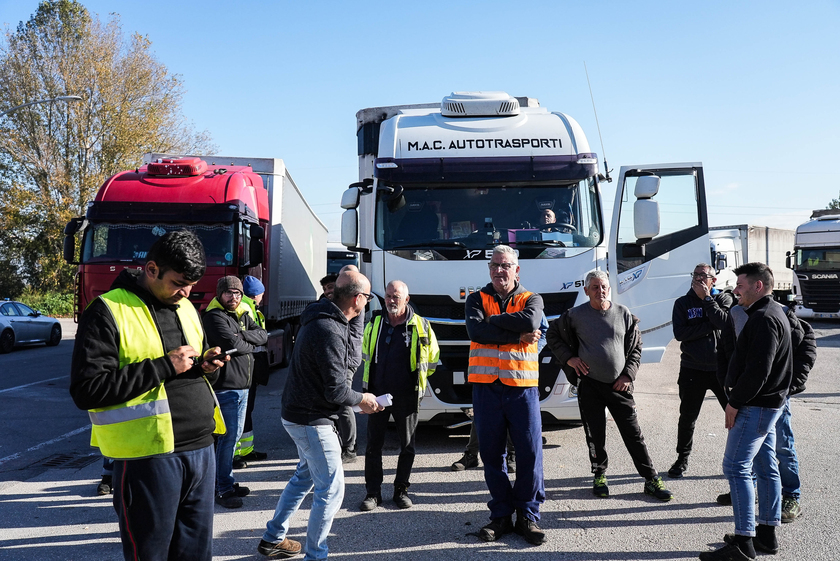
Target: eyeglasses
{"x": 232, "y": 294}
{"x": 701, "y": 276}
{"x": 368, "y": 296}
{"x": 497, "y": 266}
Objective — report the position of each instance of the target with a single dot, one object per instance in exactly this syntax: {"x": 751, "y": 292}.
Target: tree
{"x": 834, "y": 204}
{"x": 54, "y": 156}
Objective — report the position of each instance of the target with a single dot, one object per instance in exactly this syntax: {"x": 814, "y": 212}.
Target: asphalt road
{"x": 48, "y": 476}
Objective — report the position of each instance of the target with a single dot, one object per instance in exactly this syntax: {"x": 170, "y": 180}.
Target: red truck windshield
{"x": 128, "y": 243}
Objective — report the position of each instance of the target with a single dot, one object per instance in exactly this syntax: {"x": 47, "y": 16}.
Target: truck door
{"x": 659, "y": 233}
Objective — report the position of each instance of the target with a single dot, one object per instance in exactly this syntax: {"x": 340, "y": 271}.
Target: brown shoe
{"x": 283, "y": 550}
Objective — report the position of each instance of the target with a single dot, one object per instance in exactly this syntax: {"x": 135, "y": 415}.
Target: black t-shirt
{"x": 391, "y": 367}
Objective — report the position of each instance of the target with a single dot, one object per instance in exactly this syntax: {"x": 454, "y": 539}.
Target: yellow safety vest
{"x": 514, "y": 365}
{"x": 142, "y": 426}
{"x": 425, "y": 352}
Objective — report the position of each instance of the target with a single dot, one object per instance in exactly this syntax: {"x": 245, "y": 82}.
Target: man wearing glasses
{"x": 698, "y": 319}
{"x": 399, "y": 351}
{"x": 503, "y": 321}
{"x": 229, "y": 325}
{"x": 316, "y": 388}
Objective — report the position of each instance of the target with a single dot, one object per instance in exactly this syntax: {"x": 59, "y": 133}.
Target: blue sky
{"x": 751, "y": 89}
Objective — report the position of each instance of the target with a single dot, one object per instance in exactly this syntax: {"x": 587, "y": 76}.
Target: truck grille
{"x": 820, "y": 295}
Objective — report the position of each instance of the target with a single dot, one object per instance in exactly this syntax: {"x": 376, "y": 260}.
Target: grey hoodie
{"x": 316, "y": 386}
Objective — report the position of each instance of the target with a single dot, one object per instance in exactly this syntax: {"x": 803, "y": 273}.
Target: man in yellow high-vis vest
{"x": 503, "y": 321}
{"x": 142, "y": 369}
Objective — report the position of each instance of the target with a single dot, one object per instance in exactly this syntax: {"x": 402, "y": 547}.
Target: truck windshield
{"x": 478, "y": 216}
{"x": 129, "y": 243}
{"x": 822, "y": 259}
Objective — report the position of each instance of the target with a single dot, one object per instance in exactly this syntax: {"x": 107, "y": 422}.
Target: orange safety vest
{"x": 516, "y": 364}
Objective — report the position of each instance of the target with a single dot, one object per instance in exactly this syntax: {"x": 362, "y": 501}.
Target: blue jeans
{"x": 786, "y": 454}
{"x": 500, "y": 409}
{"x": 751, "y": 444}
{"x": 320, "y": 467}
{"x": 233, "y": 404}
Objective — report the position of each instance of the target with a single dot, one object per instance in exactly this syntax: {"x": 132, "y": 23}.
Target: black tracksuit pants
{"x": 593, "y": 398}
{"x": 693, "y": 385}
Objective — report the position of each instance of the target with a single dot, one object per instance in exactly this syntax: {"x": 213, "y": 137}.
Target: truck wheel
{"x": 7, "y": 341}
{"x": 55, "y": 335}
{"x": 288, "y": 344}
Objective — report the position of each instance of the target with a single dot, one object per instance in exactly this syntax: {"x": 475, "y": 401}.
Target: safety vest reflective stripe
{"x": 513, "y": 364}
{"x": 130, "y": 413}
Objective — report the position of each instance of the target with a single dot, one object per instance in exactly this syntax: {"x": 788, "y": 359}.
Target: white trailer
{"x": 732, "y": 246}
{"x": 816, "y": 265}
{"x": 441, "y": 184}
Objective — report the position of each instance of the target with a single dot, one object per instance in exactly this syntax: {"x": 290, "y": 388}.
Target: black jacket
{"x": 316, "y": 384}
{"x": 761, "y": 368}
{"x": 804, "y": 344}
{"x": 96, "y": 380}
{"x": 562, "y": 339}
{"x": 697, "y": 324}
{"x": 224, "y": 329}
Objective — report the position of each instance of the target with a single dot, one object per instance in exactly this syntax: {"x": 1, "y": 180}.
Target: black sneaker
{"x": 600, "y": 487}
{"x": 656, "y": 488}
{"x": 724, "y": 499}
{"x": 772, "y": 548}
{"x": 529, "y": 530}
{"x": 497, "y": 528}
{"x": 370, "y": 502}
{"x": 401, "y": 497}
{"x": 255, "y": 456}
{"x": 466, "y": 462}
{"x": 679, "y": 467}
{"x": 105, "y": 487}
{"x": 240, "y": 491}
{"x": 728, "y": 552}
{"x": 510, "y": 461}
{"x": 348, "y": 456}
{"x": 239, "y": 463}
{"x": 229, "y": 500}
{"x": 283, "y": 550}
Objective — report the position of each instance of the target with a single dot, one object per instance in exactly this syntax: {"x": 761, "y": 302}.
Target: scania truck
{"x": 816, "y": 266}
{"x": 441, "y": 184}
{"x": 248, "y": 213}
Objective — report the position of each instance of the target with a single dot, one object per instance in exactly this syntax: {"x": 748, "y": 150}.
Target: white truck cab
{"x": 441, "y": 184}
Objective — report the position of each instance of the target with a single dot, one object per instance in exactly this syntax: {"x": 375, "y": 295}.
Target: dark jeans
{"x": 404, "y": 411}
{"x": 693, "y": 385}
{"x": 165, "y": 505}
{"x": 593, "y": 397}
{"x": 500, "y": 410}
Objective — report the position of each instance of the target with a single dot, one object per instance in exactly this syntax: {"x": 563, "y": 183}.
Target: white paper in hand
{"x": 385, "y": 400}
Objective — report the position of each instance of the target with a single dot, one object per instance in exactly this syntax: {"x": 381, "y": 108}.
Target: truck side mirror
{"x": 255, "y": 252}
{"x": 350, "y": 198}
{"x": 720, "y": 262}
{"x": 350, "y": 228}
{"x": 70, "y": 240}
{"x": 788, "y": 260}
{"x": 645, "y": 209}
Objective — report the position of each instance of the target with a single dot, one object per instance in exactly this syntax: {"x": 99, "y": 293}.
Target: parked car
{"x": 21, "y": 325}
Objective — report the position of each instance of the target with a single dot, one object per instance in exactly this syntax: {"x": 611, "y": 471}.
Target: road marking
{"x": 47, "y": 443}
{"x": 32, "y": 384}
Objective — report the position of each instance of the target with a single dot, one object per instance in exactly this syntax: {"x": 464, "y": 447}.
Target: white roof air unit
{"x": 479, "y": 104}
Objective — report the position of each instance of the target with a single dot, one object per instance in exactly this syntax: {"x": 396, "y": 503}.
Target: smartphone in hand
{"x": 220, "y": 356}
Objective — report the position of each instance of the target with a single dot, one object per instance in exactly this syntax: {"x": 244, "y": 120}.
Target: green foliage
{"x": 834, "y": 204}
{"x": 55, "y": 304}
{"x": 54, "y": 156}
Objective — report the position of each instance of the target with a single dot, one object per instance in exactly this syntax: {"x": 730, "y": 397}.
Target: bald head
{"x": 348, "y": 268}
{"x": 396, "y": 300}
{"x": 350, "y": 294}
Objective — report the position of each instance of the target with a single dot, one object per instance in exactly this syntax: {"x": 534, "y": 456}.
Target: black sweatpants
{"x": 165, "y": 506}
{"x": 404, "y": 411}
{"x": 593, "y": 398}
{"x": 693, "y": 385}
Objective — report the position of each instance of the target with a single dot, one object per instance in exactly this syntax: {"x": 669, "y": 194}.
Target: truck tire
{"x": 288, "y": 345}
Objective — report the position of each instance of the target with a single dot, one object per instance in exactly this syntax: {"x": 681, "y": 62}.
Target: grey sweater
{"x": 601, "y": 336}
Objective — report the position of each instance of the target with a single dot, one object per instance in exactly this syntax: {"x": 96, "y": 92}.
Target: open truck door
{"x": 659, "y": 233}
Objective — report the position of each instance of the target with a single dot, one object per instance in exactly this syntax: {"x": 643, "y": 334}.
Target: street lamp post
{"x": 36, "y": 102}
